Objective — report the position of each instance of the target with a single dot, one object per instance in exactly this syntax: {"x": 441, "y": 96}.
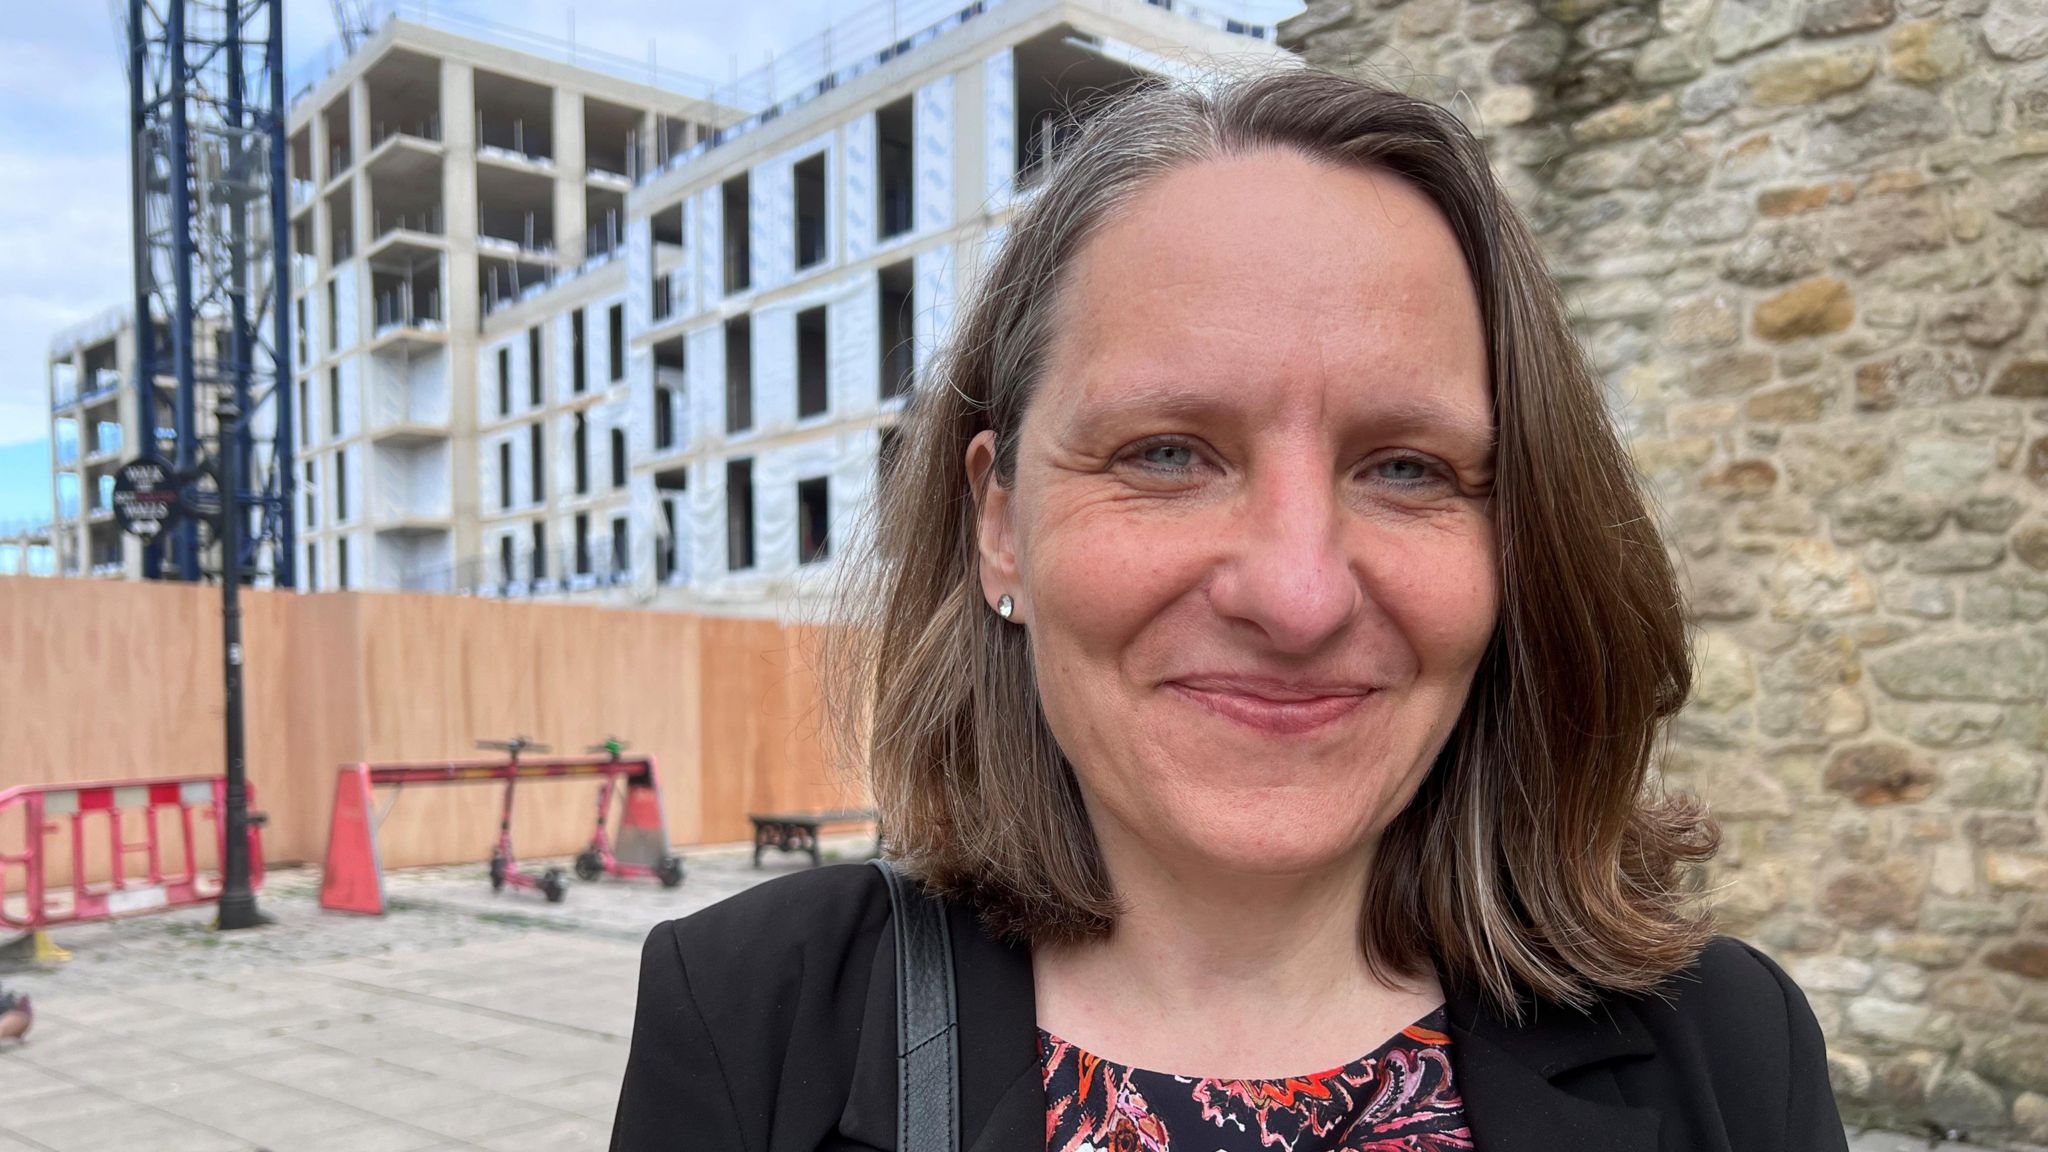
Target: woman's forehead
{"x": 1270, "y": 273}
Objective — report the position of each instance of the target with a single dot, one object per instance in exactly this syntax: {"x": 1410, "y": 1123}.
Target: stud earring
{"x": 1005, "y": 606}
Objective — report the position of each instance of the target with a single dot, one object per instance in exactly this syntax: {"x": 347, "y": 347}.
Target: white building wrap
{"x": 853, "y": 328}
{"x": 704, "y": 368}
{"x": 706, "y": 227}
{"x": 858, "y": 139}
{"x": 761, "y": 229}
{"x": 933, "y": 124}
{"x": 776, "y": 181}
{"x": 774, "y": 330}
{"x": 999, "y": 129}
{"x": 934, "y": 275}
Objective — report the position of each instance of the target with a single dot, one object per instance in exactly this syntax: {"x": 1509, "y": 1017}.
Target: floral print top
{"x": 1400, "y": 1097}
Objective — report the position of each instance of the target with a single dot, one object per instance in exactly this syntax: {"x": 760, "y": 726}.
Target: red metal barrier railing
{"x": 47, "y": 809}
{"x": 352, "y": 878}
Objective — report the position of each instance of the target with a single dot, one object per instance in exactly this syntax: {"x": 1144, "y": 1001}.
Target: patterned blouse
{"x": 1397, "y": 1098}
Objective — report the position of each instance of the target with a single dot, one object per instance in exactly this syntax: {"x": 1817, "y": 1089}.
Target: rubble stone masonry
{"x": 1806, "y": 241}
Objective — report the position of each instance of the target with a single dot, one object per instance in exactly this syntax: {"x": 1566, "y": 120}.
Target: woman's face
{"x": 1249, "y": 528}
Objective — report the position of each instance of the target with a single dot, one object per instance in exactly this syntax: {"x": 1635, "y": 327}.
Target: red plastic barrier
{"x": 46, "y": 809}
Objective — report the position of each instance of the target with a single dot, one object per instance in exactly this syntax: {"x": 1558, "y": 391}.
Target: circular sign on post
{"x": 145, "y": 496}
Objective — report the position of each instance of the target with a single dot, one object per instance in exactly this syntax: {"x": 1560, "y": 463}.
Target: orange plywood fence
{"x": 117, "y": 679}
{"x": 765, "y": 747}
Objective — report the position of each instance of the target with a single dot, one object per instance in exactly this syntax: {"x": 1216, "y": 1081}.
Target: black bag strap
{"x": 927, "y": 1023}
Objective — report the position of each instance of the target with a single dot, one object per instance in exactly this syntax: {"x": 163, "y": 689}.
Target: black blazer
{"x": 767, "y": 1023}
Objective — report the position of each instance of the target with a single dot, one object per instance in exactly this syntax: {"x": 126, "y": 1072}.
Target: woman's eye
{"x": 1402, "y": 470}
{"x": 1167, "y": 455}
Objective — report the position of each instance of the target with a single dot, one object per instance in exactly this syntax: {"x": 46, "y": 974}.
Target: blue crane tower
{"x": 206, "y": 102}
{"x": 212, "y": 280}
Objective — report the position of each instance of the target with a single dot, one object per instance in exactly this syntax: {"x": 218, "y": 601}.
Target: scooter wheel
{"x": 554, "y": 885}
{"x": 497, "y": 873}
{"x": 589, "y": 865}
{"x": 669, "y": 871}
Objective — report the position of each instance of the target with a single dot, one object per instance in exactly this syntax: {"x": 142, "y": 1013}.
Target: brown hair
{"x": 1536, "y": 856}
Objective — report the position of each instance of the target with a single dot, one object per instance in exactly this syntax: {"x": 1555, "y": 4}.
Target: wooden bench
{"x": 798, "y": 831}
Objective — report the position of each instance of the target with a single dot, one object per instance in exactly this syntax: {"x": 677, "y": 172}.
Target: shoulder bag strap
{"x": 927, "y": 1025}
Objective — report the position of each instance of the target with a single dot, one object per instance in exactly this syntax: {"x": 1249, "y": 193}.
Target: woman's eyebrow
{"x": 1390, "y": 414}
{"x": 1150, "y": 400}
{"x": 1410, "y": 414}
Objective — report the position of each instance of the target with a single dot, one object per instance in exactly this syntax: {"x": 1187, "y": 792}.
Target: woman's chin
{"x": 1257, "y": 841}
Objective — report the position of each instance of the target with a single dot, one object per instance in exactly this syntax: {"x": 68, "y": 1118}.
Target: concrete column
{"x": 359, "y": 186}
{"x": 970, "y": 137}
{"x": 464, "y": 308}
{"x": 567, "y": 134}
{"x": 320, "y": 173}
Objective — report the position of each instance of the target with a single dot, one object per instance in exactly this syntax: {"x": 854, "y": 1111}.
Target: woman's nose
{"x": 1287, "y": 572}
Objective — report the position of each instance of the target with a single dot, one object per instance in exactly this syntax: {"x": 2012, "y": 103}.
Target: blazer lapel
{"x": 1002, "y": 1089}
{"x": 1506, "y": 1071}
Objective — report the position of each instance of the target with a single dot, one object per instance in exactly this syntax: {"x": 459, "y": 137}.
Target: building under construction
{"x": 565, "y": 325}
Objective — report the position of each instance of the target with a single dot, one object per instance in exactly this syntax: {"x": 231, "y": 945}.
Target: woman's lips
{"x": 1275, "y": 717}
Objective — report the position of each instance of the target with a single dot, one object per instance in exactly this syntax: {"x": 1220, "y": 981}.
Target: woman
{"x": 1261, "y": 651}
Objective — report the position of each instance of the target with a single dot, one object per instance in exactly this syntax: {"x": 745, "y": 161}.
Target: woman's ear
{"x": 994, "y": 534}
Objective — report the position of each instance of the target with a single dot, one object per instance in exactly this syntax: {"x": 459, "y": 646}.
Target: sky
{"x": 64, "y": 236}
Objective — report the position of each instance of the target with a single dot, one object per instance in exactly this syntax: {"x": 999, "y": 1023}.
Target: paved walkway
{"x": 460, "y": 1020}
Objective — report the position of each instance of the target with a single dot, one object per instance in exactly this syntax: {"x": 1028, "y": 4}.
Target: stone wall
{"x": 1807, "y": 241}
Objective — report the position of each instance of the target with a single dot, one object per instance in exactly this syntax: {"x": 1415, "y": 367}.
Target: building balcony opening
{"x": 1062, "y": 81}
{"x": 339, "y": 154}
{"x": 305, "y": 254}
{"x": 898, "y": 344}
{"x": 299, "y": 166}
{"x": 739, "y": 374}
{"x": 611, "y": 135}
{"x": 514, "y": 118}
{"x": 405, "y": 194}
{"x": 604, "y": 223}
{"x": 895, "y": 169}
{"x": 515, "y": 210}
{"x": 810, "y": 210}
{"x": 739, "y": 514}
{"x": 672, "y": 136}
{"x": 620, "y": 568}
{"x": 408, "y": 294}
{"x": 668, "y": 395}
{"x": 672, "y": 488}
{"x": 668, "y": 225}
{"x": 405, "y": 97}
{"x": 102, "y": 372}
{"x": 813, "y": 520}
{"x": 662, "y": 303}
{"x": 735, "y": 225}
{"x": 503, "y": 280}
{"x": 341, "y": 225}
{"x": 812, "y": 356}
